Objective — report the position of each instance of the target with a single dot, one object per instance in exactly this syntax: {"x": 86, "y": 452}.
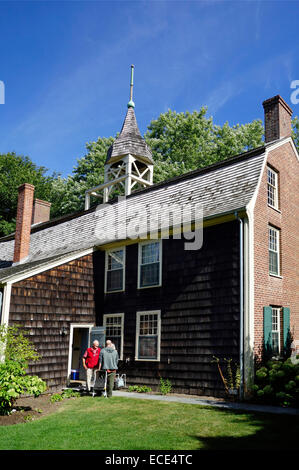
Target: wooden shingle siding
{"x": 199, "y": 303}
{"x": 45, "y": 303}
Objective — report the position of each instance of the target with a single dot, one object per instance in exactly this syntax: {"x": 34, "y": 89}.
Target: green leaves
{"x": 277, "y": 383}
{"x": 14, "y": 381}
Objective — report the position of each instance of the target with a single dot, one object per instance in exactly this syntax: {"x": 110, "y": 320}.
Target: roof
{"x": 129, "y": 141}
{"x": 221, "y": 188}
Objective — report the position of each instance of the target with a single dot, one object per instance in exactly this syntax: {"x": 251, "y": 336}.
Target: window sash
{"x": 274, "y": 267}
{"x": 272, "y": 188}
{"x": 114, "y": 330}
{"x": 148, "y": 336}
{"x": 149, "y": 269}
{"x": 115, "y": 270}
{"x": 276, "y": 330}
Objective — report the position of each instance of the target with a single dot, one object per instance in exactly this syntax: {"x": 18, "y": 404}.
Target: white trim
{"x": 6, "y": 304}
{"x": 277, "y": 251}
{"x": 282, "y": 142}
{"x": 148, "y": 312}
{"x": 274, "y": 187}
{"x": 248, "y": 299}
{"x": 121, "y": 315}
{"x": 48, "y": 266}
{"x": 71, "y": 340}
{"x": 147, "y": 242}
{"x": 106, "y": 269}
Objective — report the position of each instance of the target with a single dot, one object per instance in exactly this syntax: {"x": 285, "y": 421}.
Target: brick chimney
{"x": 41, "y": 211}
{"x": 23, "y": 222}
{"x": 278, "y": 116}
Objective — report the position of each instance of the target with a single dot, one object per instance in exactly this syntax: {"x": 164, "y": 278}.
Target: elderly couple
{"x": 106, "y": 359}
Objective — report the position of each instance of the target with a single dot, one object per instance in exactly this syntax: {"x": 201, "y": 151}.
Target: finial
{"x": 131, "y": 103}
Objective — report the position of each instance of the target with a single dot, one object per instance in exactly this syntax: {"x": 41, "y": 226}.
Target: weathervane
{"x": 131, "y": 103}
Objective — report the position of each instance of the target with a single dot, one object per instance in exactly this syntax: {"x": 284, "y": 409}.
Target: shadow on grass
{"x": 269, "y": 432}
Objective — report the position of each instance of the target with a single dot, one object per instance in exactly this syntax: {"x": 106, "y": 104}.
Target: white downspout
{"x": 241, "y": 251}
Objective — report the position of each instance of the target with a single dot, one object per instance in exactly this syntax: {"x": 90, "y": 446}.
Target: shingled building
{"x": 168, "y": 307}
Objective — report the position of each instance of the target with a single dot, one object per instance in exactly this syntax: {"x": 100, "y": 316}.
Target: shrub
{"x": 15, "y": 382}
{"x": 16, "y": 353}
{"x": 139, "y": 388}
{"x": 165, "y": 386}
{"x": 277, "y": 383}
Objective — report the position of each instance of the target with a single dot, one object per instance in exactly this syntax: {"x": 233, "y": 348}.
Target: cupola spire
{"x": 131, "y": 103}
{"x": 129, "y": 163}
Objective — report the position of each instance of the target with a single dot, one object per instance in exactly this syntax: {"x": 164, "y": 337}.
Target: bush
{"x": 16, "y": 352}
{"x": 15, "y": 382}
{"x": 165, "y": 386}
{"x": 139, "y": 388}
{"x": 276, "y": 383}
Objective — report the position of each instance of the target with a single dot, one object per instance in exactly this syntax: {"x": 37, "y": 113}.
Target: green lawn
{"x": 88, "y": 423}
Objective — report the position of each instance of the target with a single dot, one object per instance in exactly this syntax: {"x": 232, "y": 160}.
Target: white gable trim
{"x": 6, "y": 303}
{"x": 47, "y": 266}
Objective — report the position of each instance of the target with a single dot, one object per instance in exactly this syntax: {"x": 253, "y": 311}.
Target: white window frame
{"x": 277, "y": 251}
{"x": 276, "y": 311}
{"x": 138, "y": 315}
{"x": 114, "y": 315}
{"x": 106, "y": 269}
{"x": 274, "y": 187}
{"x": 140, "y": 245}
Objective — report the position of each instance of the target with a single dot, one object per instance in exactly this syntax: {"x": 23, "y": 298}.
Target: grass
{"x": 118, "y": 423}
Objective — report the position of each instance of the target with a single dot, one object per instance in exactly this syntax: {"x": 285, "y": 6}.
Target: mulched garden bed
{"x": 30, "y": 408}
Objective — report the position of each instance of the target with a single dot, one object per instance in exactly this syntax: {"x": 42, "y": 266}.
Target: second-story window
{"x": 272, "y": 188}
{"x": 149, "y": 274}
{"x": 115, "y": 270}
{"x": 274, "y": 265}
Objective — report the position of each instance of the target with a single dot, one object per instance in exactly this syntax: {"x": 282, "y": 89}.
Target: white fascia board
{"x": 6, "y": 303}
{"x": 47, "y": 266}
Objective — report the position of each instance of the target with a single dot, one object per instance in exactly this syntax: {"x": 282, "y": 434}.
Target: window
{"x": 274, "y": 265}
{"x": 272, "y": 180}
{"x": 277, "y": 337}
{"x": 276, "y": 330}
{"x": 114, "y": 330}
{"x": 115, "y": 272}
{"x": 149, "y": 272}
{"x": 148, "y": 334}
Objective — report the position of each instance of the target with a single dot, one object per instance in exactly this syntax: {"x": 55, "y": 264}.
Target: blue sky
{"x": 66, "y": 67}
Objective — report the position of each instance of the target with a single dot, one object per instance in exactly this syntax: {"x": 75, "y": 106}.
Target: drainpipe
{"x": 241, "y": 237}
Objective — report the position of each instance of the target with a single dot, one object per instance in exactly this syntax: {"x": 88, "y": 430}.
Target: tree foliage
{"x": 14, "y": 171}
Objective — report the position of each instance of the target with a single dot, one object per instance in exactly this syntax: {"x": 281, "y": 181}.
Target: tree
{"x": 14, "y": 171}
{"x": 183, "y": 142}
{"x": 295, "y": 124}
{"x": 68, "y": 194}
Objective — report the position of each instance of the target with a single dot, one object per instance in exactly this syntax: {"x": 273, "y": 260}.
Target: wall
{"x": 199, "y": 303}
{"x": 45, "y": 303}
{"x": 270, "y": 290}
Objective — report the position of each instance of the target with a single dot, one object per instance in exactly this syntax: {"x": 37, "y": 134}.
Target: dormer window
{"x": 272, "y": 187}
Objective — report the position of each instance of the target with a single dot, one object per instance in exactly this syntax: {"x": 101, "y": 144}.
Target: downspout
{"x": 241, "y": 251}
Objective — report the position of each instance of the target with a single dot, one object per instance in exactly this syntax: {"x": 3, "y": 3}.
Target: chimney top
{"x": 23, "y": 222}
{"x": 278, "y": 119}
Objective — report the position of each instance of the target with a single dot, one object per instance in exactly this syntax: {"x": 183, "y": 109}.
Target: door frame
{"x": 72, "y": 327}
